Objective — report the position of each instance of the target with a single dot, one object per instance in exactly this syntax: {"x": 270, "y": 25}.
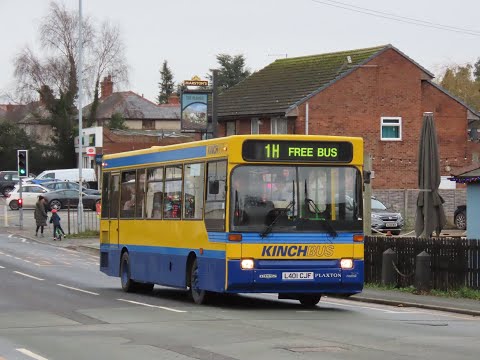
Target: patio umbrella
{"x": 430, "y": 214}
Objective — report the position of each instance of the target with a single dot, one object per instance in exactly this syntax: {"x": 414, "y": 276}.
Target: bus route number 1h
{"x": 273, "y": 151}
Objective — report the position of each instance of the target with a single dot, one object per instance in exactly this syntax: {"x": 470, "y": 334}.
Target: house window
{"x": 279, "y": 126}
{"x": 391, "y": 128}
{"x": 255, "y": 126}
{"x": 230, "y": 128}
{"x": 148, "y": 124}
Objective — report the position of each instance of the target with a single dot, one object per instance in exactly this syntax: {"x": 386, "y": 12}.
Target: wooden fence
{"x": 454, "y": 262}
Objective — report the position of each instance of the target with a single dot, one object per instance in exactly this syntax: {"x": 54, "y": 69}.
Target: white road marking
{"x": 24, "y": 240}
{"x": 2, "y": 267}
{"x": 31, "y": 354}
{"x": 30, "y": 276}
{"x": 10, "y": 236}
{"x": 76, "y": 289}
{"x": 153, "y": 306}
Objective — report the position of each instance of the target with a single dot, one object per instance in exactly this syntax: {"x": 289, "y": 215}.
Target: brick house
{"x": 376, "y": 93}
{"x": 138, "y": 112}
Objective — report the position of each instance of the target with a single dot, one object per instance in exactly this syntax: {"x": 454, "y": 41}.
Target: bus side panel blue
{"x": 158, "y": 267}
{"x": 113, "y": 255}
{"x": 211, "y": 273}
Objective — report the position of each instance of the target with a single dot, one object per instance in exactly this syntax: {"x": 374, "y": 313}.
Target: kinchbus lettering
{"x": 298, "y": 250}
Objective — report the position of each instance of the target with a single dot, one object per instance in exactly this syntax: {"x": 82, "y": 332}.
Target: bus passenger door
{"x": 114, "y": 224}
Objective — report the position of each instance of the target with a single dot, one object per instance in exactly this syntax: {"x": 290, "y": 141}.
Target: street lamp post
{"x": 80, "y": 128}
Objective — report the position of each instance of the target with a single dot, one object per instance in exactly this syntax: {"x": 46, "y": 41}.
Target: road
{"x": 55, "y": 304}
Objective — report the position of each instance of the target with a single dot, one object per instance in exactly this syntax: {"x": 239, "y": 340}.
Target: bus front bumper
{"x": 295, "y": 276}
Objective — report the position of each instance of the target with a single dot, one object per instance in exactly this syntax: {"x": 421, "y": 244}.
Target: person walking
{"x": 55, "y": 220}
{"x": 40, "y": 215}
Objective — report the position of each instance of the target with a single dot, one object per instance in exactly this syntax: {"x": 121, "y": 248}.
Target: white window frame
{"x": 274, "y": 125}
{"x": 399, "y": 125}
{"x": 255, "y": 122}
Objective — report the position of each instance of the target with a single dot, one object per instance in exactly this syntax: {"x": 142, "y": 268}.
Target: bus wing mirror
{"x": 213, "y": 187}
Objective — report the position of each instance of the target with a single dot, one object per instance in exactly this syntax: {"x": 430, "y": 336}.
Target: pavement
{"x": 378, "y": 296}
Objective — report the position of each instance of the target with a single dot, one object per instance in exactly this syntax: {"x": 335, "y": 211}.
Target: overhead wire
{"x": 398, "y": 18}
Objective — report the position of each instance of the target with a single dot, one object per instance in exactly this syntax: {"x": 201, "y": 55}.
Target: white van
{"x": 88, "y": 175}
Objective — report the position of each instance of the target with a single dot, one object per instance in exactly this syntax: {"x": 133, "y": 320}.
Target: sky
{"x": 190, "y": 33}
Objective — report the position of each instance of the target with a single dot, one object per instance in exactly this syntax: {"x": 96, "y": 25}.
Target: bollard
{"x": 423, "y": 273}
{"x": 389, "y": 275}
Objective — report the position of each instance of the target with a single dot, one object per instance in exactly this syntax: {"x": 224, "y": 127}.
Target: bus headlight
{"x": 247, "y": 264}
{"x": 346, "y": 264}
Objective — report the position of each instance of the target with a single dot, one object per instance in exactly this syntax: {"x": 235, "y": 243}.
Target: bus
{"x": 240, "y": 214}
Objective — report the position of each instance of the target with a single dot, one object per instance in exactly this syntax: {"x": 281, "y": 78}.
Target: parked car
{"x": 384, "y": 220}
{"x": 68, "y": 185}
{"x": 30, "y": 195}
{"x": 61, "y": 199}
{"x": 460, "y": 217}
{"x": 8, "y": 180}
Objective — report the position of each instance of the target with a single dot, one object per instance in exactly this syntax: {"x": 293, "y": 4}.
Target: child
{"x": 55, "y": 220}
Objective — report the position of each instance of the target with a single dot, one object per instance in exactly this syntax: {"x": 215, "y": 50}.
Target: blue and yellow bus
{"x": 241, "y": 214}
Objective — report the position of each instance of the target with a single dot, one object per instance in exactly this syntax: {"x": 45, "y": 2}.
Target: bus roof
{"x": 198, "y": 149}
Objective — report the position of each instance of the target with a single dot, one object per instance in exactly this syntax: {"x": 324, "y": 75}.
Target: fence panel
{"x": 453, "y": 262}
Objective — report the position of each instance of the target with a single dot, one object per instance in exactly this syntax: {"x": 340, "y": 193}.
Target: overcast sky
{"x": 189, "y": 33}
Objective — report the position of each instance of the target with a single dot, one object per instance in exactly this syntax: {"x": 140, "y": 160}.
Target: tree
{"x": 166, "y": 84}
{"x": 55, "y": 73}
{"x": 232, "y": 71}
{"x": 117, "y": 121}
{"x": 459, "y": 81}
{"x": 12, "y": 138}
{"x": 476, "y": 72}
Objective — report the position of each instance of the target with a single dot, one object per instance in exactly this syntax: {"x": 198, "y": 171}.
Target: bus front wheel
{"x": 198, "y": 296}
{"x": 309, "y": 300}
{"x": 128, "y": 285}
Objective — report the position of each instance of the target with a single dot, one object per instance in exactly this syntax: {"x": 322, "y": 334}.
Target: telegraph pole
{"x": 80, "y": 128}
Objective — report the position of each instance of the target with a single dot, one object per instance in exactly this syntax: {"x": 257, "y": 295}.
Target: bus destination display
{"x": 305, "y": 151}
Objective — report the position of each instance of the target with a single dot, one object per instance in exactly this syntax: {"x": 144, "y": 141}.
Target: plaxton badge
{"x": 298, "y": 250}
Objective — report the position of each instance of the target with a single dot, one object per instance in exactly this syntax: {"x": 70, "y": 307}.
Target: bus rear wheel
{"x": 128, "y": 285}
{"x": 198, "y": 296}
{"x": 309, "y": 300}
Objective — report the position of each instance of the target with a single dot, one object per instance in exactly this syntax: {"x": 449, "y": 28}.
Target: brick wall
{"x": 390, "y": 85}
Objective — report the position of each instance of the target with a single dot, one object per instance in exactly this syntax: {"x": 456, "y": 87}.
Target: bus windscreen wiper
{"x": 324, "y": 220}
{"x": 283, "y": 211}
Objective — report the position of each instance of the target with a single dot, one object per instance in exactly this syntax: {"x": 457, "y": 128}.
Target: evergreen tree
{"x": 117, "y": 121}
{"x": 232, "y": 70}
{"x": 166, "y": 84}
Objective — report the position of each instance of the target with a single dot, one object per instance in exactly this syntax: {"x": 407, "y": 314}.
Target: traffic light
{"x": 22, "y": 160}
{"x": 20, "y": 203}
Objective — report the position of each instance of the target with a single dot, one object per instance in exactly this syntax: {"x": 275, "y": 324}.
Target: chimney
{"x": 106, "y": 87}
{"x": 173, "y": 99}
{"x": 45, "y": 95}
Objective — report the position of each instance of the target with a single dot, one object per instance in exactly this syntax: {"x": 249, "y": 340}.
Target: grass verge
{"x": 85, "y": 234}
{"x": 461, "y": 293}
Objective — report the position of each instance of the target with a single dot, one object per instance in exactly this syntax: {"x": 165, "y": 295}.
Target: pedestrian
{"x": 40, "y": 215}
{"x": 55, "y": 220}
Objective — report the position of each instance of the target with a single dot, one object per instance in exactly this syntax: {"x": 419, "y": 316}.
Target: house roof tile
{"x": 283, "y": 83}
{"x": 133, "y": 106}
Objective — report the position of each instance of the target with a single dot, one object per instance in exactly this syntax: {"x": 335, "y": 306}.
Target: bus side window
{"x": 154, "y": 196}
{"x": 140, "y": 194}
{"x": 106, "y": 195}
{"x": 127, "y": 195}
{"x": 193, "y": 191}
{"x": 215, "y": 200}
{"x": 172, "y": 206}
